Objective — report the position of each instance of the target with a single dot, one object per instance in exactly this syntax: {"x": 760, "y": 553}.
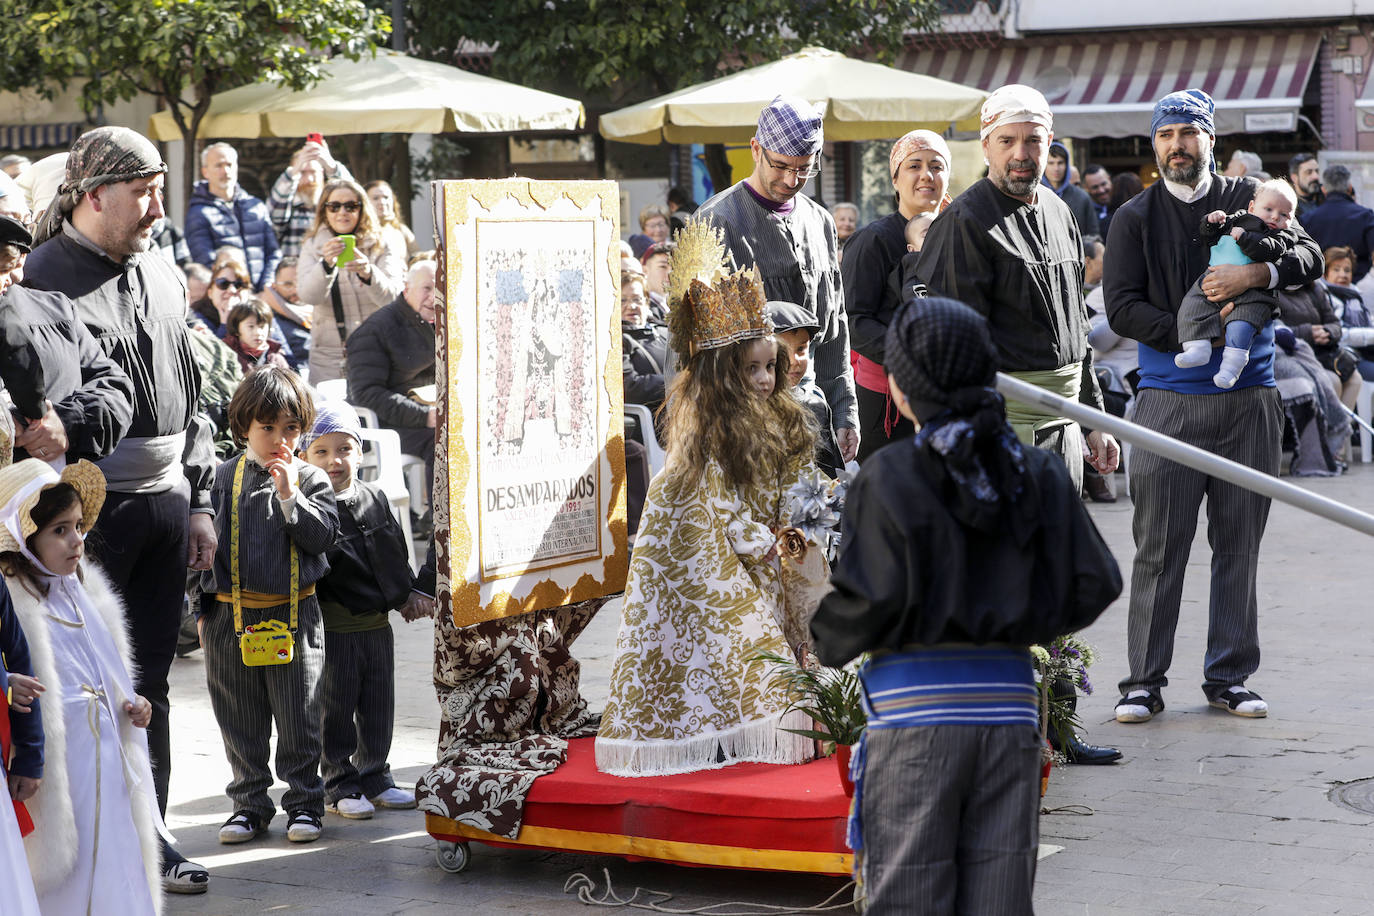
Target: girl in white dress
{"x": 94, "y": 847}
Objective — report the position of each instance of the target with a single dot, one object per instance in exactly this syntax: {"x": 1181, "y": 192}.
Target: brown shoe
{"x": 1099, "y": 488}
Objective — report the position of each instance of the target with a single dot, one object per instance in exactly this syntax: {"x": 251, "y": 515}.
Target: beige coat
{"x": 359, "y": 299}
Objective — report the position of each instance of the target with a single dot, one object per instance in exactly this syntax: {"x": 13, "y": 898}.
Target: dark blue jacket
{"x": 1341, "y": 221}
{"x": 245, "y": 222}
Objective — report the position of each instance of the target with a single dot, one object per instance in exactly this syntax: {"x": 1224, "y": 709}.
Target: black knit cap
{"x": 12, "y": 232}
{"x": 789, "y": 316}
{"x": 941, "y": 351}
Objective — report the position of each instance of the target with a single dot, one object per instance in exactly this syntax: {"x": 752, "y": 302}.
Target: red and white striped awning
{"x": 1108, "y": 88}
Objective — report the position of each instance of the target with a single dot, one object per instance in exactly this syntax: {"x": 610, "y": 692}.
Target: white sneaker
{"x": 351, "y": 806}
{"x": 1138, "y": 706}
{"x": 1239, "y": 701}
{"x": 242, "y": 827}
{"x": 304, "y": 827}
{"x": 395, "y": 797}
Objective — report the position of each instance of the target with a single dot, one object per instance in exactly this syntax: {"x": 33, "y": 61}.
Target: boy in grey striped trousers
{"x": 369, "y": 574}
{"x": 261, "y": 627}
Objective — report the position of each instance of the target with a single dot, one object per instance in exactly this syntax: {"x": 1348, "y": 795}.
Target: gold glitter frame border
{"x": 454, "y": 530}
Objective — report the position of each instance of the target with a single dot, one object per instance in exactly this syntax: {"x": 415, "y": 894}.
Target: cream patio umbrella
{"x": 389, "y": 93}
{"x": 863, "y": 101}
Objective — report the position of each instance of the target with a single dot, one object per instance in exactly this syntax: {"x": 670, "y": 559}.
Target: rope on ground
{"x": 587, "y": 893}
{"x": 1080, "y": 810}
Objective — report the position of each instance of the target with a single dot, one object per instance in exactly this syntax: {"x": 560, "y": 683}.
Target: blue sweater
{"x": 1157, "y": 370}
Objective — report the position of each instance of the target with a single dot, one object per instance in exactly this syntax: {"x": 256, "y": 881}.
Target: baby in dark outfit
{"x": 1259, "y": 233}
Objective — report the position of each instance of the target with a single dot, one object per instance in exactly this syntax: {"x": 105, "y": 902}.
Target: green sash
{"x": 1028, "y": 420}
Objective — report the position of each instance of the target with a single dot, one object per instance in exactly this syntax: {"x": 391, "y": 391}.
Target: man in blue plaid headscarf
{"x": 791, "y": 239}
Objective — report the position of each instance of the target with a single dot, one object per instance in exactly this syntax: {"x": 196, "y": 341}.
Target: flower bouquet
{"x": 812, "y": 518}
{"x": 1065, "y": 659}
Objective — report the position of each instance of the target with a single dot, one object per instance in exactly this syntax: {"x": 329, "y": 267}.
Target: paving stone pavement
{"x": 1208, "y": 815}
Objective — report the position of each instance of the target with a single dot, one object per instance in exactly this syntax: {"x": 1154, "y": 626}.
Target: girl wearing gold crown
{"x": 705, "y": 595}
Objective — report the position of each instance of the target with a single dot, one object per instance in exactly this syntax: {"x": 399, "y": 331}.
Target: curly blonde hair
{"x": 712, "y": 413}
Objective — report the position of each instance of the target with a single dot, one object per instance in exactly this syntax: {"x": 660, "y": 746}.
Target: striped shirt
{"x": 947, "y": 685}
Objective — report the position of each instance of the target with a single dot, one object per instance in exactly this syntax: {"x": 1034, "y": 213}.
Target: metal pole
{"x": 1185, "y": 454}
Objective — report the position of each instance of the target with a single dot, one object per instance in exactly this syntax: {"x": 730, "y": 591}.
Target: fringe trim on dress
{"x": 761, "y": 741}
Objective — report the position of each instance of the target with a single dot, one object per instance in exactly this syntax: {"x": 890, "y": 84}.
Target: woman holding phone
{"x": 346, "y": 273}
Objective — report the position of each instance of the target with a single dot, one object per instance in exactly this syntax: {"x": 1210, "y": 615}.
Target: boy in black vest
{"x": 369, "y": 574}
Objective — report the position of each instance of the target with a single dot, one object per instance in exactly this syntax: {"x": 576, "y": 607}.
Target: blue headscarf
{"x": 1187, "y": 106}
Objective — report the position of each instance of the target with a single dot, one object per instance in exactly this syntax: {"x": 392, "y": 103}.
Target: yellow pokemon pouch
{"x": 267, "y": 643}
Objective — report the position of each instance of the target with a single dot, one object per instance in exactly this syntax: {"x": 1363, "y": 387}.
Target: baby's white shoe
{"x": 1195, "y": 353}
{"x": 1233, "y": 361}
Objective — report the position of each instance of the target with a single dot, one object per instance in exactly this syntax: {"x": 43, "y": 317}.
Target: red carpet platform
{"x": 751, "y": 815}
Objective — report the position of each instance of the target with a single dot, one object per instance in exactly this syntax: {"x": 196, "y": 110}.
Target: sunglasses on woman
{"x": 348, "y": 206}
{"x": 225, "y": 283}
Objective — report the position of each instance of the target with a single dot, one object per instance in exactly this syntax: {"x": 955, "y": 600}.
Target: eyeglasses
{"x": 225, "y": 283}
{"x": 803, "y": 174}
{"x": 348, "y": 206}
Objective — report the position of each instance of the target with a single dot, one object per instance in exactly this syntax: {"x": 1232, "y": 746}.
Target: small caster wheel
{"x": 452, "y": 857}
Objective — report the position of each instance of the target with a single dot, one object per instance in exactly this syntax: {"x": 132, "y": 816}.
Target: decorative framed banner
{"x": 529, "y": 479}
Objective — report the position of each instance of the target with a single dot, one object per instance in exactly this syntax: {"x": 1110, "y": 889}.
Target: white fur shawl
{"x": 51, "y": 847}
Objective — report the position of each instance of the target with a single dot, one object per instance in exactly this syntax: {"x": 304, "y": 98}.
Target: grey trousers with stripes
{"x": 1246, "y": 426}
{"x": 951, "y": 820}
{"x": 358, "y": 700}
{"x": 247, "y": 701}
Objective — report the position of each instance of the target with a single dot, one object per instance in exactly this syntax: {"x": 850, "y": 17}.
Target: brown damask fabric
{"x": 508, "y": 700}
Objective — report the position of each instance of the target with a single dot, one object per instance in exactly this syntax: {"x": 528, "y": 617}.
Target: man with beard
{"x": 1010, "y": 248}
{"x": 94, "y": 246}
{"x": 1305, "y": 175}
{"x": 791, "y": 239}
{"x": 1154, "y": 256}
{"x": 297, "y": 190}
{"x": 1015, "y": 255}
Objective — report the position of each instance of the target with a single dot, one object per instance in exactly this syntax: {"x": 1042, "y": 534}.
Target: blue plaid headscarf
{"x": 1187, "y": 106}
{"x": 790, "y": 126}
{"x": 333, "y": 417}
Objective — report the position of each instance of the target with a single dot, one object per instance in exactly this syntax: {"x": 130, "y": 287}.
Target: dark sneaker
{"x": 1139, "y": 706}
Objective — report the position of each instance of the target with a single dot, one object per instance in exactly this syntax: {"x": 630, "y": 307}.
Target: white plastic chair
{"x": 657, "y": 456}
{"x": 1364, "y": 409}
{"x": 336, "y": 389}
{"x": 381, "y": 464}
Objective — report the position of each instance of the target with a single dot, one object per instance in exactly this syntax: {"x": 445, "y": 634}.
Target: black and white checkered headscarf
{"x": 790, "y": 126}
{"x": 940, "y": 353}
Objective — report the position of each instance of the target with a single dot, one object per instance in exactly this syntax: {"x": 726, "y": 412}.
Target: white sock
{"x": 1195, "y": 353}
{"x": 1233, "y": 360}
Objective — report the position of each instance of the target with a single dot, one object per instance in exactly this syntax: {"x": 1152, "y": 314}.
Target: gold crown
{"x": 710, "y": 307}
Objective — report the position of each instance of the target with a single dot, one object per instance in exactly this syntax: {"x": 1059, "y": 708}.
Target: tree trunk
{"x": 400, "y": 175}
{"x": 190, "y": 162}
{"x": 718, "y": 167}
